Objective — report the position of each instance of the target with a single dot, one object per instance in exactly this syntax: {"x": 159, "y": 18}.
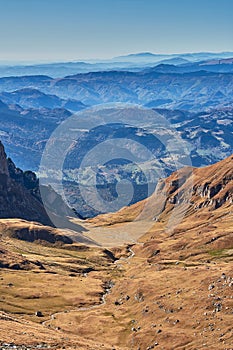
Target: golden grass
{"x": 174, "y": 293}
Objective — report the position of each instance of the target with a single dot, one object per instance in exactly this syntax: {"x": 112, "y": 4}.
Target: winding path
{"x": 107, "y": 290}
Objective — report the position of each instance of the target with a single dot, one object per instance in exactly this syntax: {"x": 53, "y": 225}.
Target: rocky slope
{"x": 170, "y": 287}
{"x": 21, "y": 198}
{"x": 188, "y": 189}
{"x": 20, "y": 195}
{"x": 176, "y": 292}
{"x": 16, "y": 201}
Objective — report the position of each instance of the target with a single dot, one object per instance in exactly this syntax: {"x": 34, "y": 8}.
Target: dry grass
{"x": 174, "y": 293}
{"x": 160, "y": 299}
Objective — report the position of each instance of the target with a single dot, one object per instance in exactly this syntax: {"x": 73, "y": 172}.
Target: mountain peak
{"x": 149, "y": 54}
{"x": 3, "y": 161}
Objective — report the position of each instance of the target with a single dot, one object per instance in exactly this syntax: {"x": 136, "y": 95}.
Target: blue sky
{"x": 78, "y": 29}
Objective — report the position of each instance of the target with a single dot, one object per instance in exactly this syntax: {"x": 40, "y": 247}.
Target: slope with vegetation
{"x": 170, "y": 289}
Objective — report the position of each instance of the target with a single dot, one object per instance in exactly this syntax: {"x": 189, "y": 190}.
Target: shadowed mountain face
{"x": 16, "y": 200}
{"x": 21, "y": 195}
{"x": 21, "y": 198}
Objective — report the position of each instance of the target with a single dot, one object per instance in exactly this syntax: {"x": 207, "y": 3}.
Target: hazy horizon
{"x": 102, "y": 59}
{"x": 68, "y": 30}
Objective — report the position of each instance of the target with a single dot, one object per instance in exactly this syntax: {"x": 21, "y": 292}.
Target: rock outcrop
{"x": 188, "y": 189}
{"x": 16, "y": 197}
{"x": 3, "y": 161}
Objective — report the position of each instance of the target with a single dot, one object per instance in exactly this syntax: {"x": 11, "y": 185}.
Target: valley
{"x": 116, "y": 194}
{"x": 170, "y": 287}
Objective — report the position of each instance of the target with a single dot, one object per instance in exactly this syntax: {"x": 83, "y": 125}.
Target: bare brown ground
{"x": 173, "y": 289}
{"x": 172, "y": 294}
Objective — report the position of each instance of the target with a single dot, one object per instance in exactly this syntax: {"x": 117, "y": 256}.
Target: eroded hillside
{"x": 166, "y": 285}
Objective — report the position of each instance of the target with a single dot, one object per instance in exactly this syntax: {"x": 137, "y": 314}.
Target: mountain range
{"x": 160, "y": 259}
{"x": 32, "y": 98}
{"x": 191, "y": 91}
{"x": 132, "y": 62}
{"x": 175, "y": 87}
{"x": 208, "y": 136}
{"x": 116, "y": 201}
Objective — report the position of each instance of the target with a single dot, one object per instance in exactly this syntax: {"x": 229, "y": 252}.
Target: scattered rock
{"x": 139, "y": 297}
{"x": 211, "y": 286}
{"x": 155, "y": 252}
{"x": 176, "y": 321}
{"x": 38, "y": 314}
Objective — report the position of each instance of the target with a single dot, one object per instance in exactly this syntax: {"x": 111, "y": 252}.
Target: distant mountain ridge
{"x": 131, "y": 62}
{"x": 189, "y": 87}
{"x": 195, "y": 56}
{"x": 33, "y": 98}
{"x": 25, "y": 133}
{"x": 193, "y": 92}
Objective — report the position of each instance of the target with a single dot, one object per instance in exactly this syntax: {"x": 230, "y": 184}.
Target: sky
{"x": 55, "y": 30}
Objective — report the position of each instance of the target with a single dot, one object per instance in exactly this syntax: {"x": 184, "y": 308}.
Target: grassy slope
{"x": 174, "y": 293}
